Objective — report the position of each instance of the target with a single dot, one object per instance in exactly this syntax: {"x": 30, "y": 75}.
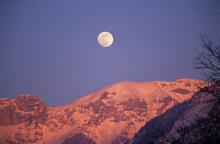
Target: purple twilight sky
{"x": 49, "y": 47}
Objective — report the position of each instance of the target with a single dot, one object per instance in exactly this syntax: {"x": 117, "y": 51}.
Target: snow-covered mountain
{"x": 111, "y": 115}
{"x": 194, "y": 121}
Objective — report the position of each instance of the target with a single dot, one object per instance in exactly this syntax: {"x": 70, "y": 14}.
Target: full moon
{"x": 105, "y": 39}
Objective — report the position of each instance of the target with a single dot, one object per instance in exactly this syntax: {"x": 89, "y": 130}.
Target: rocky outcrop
{"x": 158, "y": 126}
{"x": 28, "y": 134}
{"x": 79, "y": 138}
{"x": 23, "y": 109}
{"x": 181, "y": 91}
{"x": 120, "y": 140}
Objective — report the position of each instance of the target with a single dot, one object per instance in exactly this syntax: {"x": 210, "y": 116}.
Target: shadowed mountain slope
{"x": 193, "y": 121}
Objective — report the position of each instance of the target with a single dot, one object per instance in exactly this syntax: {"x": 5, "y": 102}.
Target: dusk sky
{"x": 49, "y": 47}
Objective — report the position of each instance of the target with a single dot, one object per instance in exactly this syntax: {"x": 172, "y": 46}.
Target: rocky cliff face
{"x": 194, "y": 121}
{"x": 24, "y": 108}
{"x": 79, "y": 138}
{"x": 111, "y": 115}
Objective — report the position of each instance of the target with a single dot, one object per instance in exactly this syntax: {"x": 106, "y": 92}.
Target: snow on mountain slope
{"x": 185, "y": 122}
{"x": 190, "y": 125}
{"x": 111, "y": 115}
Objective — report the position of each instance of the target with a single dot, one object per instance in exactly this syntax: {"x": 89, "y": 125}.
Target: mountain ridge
{"x": 109, "y": 115}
